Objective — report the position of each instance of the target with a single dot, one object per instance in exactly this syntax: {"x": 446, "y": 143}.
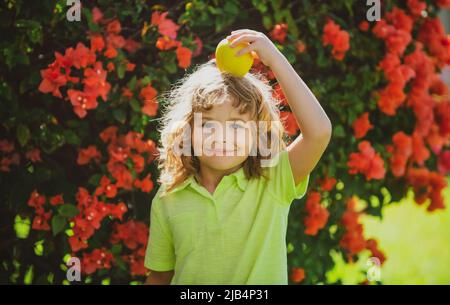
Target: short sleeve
{"x": 160, "y": 253}
{"x": 281, "y": 180}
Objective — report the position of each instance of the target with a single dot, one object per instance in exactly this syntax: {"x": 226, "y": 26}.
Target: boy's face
{"x": 223, "y": 135}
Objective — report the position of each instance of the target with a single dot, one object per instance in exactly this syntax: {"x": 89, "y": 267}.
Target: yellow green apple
{"x": 227, "y": 61}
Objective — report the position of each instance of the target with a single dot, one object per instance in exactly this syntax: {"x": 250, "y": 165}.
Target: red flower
{"x": 115, "y": 41}
{"x": 82, "y": 56}
{"x": 76, "y": 243}
{"x": 131, "y": 45}
{"x": 337, "y": 38}
{"x": 138, "y": 162}
{"x": 317, "y": 214}
{"x": 396, "y": 35}
{"x": 109, "y": 134}
{"x": 81, "y": 102}
{"x": 390, "y": 98}
{"x": 361, "y": 125}
{"x": 444, "y": 162}
{"x": 199, "y": 48}
{"x": 36, "y": 200}
{"x": 97, "y": 43}
{"x": 97, "y": 15}
{"x": 95, "y": 83}
{"x": 353, "y": 239}
{"x": 165, "y": 26}
{"x": 97, "y": 259}
{"x": 136, "y": 264}
{"x": 87, "y": 154}
{"x": 148, "y": 95}
{"x": 117, "y": 210}
{"x": 122, "y": 175}
{"x": 366, "y": 162}
{"x": 442, "y": 111}
{"x": 364, "y": 26}
{"x": 398, "y": 41}
{"x": 6, "y": 146}
{"x": 420, "y": 152}
{"x": 8, "y": 160}
{"x": 111, "y": 52}
{"x": 300, "y": 46}
{"x": 110, "y": 190}
{"x": 114, "y": 27}
{"x": 372, "y": 245}
{"x": 327, "y": 183}
{"x": 165, "y": 43}
{"x": 400, "y": 20}
{"x": 427, "y": 185}
{"x": 95, "y": 213}
{"x": 279, "y": 32}
{"x": 52, "y": 80}
{"x": 443, "y": 3}
{"x": 416, "y": 7}
{"x": 83, "y": 198}
{"x": 130, "y": 66}
{"x": 146, "y": 184}
{"x": 40, "y": 221}
{"x": 132, "y": 233}
{"x": 184, "y": 56}
{"x": 34, "y": 155}
{"x": 432, "y": 34}
{"x": 57, "y": 200}
{"x": 297, "y": 275}
{"x": 401, "y": 153}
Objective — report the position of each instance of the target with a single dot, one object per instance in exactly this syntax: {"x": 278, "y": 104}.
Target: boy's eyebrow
{"x": 230, "y": 119}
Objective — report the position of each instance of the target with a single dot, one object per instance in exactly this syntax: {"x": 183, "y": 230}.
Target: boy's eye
{"x": 208, "y": 124}
{"x": 236, "y": 125}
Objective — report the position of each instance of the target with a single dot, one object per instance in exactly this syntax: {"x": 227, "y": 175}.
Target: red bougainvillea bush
{"x": 81, "y": 102}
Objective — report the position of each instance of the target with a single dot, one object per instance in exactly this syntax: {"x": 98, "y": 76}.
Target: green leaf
{"x": 135, "y": 105}
{"x": 71, "y": 137}
{"x": 132, "y": 83}
{"x": 23, "y": 134}
{"x": 145, "y": 81}
{"x": 95, "y": 179}
{"x": 58, "y": 224}
{"x": 338, "y": 131}
{"x": 120, "y": 115}
{"x": 68, "y": 210}
{"x": 231, "y": 8}
{"x": 121, "y": 71}
{"x": 267, "y": 22}
{"x": 260, "y": 5}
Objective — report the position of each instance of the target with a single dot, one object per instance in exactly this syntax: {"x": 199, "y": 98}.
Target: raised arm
{"x": 306, "y": 150}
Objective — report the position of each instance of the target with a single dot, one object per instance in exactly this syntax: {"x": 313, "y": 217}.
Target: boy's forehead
{"x": 224, "y": 110}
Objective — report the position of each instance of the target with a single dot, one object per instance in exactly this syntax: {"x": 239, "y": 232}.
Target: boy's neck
{"x": 210, "y": 178}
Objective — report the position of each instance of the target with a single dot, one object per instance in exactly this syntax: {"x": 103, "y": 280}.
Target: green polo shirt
{"x": 235, "y": 236}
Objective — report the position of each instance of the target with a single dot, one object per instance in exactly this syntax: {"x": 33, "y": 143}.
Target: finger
{"x": 235, "y": 35}
{"x": 242, "y": 30}
{"x": 245, "y": 50}
{"x": 242, "y": 39}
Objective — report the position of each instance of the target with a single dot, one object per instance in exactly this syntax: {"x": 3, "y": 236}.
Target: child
{"x": 220, "y": 215}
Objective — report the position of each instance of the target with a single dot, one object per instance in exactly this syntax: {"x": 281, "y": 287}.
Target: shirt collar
{"x": 238, "y": 175}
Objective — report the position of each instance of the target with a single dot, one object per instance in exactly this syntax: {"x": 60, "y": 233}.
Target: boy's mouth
{"x": 220, "y": 152}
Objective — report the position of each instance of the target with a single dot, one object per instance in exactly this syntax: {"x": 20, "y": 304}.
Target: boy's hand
{"x": 265, "y": 49}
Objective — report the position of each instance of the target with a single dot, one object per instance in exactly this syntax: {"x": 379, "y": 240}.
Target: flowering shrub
{"x": 81, "y": 102}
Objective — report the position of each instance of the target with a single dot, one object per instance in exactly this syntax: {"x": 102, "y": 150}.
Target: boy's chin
{"x": 223, "y": 162}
